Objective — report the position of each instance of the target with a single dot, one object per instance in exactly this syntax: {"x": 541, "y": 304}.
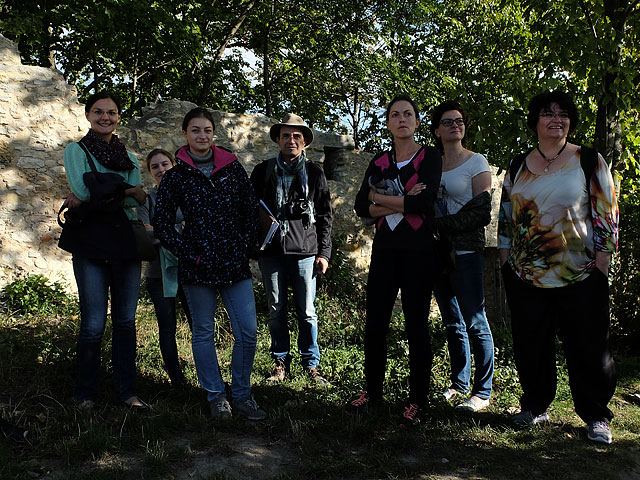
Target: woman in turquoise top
{"x": 103, "y": 265}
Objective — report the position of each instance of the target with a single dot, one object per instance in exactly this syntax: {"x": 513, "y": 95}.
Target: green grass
{"x": 307, "y": 434}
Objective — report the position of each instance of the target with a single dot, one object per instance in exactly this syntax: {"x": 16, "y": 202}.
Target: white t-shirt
{"x": 455, "y": 185}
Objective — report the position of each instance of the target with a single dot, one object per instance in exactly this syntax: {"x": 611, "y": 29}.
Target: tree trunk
{"x": 608, "y": 136}
{"x": 52, "y": 52}
{"x": 266, "y": 80}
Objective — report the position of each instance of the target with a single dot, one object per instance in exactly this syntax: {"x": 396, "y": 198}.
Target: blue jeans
{"x": 460, "y": 297}
{"x": 240, "y": 305}
{"x": 95, "y": 278}
{"x": 277, "y": 273}
{"x": 165, "y": 308}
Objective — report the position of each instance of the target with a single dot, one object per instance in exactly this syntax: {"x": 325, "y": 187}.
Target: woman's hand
{"x": 71, "y": 201}
{"x": 602, "y": 262}
{"x": 416, "y": 189}
{"x": 503, "y": 253}
{"x": 137, "y": 193}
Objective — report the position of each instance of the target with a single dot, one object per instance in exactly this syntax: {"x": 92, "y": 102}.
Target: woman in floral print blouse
{"x": 558, "y": 228}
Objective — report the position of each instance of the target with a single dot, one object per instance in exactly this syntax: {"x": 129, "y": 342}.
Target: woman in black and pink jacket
{"x": 398, "y": 191}
{"x": 219, "y": 207}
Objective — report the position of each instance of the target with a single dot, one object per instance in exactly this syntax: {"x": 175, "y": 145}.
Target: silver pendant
{"x": 546, "y": 169}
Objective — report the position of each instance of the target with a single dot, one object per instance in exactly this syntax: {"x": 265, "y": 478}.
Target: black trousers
{"x": 412, "y": 273}
{"x": 579, "y": 314}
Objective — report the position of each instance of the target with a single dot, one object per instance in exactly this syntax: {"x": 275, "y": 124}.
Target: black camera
{"x": 297, "y": 209}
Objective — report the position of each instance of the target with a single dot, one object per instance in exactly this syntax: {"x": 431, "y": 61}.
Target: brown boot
{"x": 279, "y": 372}
{"x": 314, "y": 375}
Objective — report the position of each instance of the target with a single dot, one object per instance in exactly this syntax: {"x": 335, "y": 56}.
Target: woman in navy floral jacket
{"x": 213, "y": 191}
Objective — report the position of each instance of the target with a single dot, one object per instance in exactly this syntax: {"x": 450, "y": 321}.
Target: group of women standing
{"x": 203, "y": 212}
{"x": 558, "y": 228}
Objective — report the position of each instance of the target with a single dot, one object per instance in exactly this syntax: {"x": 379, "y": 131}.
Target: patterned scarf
{"x": 283, "y": 184}
{"x": 112, "y": 155}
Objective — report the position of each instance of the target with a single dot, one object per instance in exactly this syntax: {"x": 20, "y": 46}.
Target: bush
{"x": 625, "y": 274}
{"x": 36, "y": 295}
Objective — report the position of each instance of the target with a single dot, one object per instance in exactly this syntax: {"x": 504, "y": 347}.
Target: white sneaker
{"x": 599, "y": 431}
{"x": 473, "y": 404}
{"x": 526, "y": 418}
{"x": 450, "y": 393}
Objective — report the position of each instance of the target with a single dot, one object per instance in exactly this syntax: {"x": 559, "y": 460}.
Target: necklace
{"x": 550, "y": 160}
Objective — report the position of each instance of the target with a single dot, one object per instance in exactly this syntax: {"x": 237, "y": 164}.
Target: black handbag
{"x": 444, "y": 252}
{"x": 145, "y": 249}
{"x": 100, "y": 228}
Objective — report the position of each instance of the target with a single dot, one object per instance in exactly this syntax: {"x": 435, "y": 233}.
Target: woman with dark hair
{"x": 219, "y": 207}
{"x": 558, "y": 228}
{"x": 106, "y": 261}
{"x": 161, "y": 273}
{"x": 463, "y": 209}
{"x": 399, "y": 190}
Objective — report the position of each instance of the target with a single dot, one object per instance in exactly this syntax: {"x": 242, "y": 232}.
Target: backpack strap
{"x": 515, "y": 164}
{"x": 588, "y": 162}
{"x": 271, "y": 165}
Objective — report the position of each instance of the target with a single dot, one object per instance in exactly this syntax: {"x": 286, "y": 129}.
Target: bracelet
{"x": 373, "y": 198}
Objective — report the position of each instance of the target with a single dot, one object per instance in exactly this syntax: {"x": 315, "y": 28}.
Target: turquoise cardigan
{"x": 76, "y": 165}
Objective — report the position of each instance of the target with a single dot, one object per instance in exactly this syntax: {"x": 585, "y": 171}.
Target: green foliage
{"x": 306, "y": 424}
{"x": 36, "y": 295}
{"x": 625, "y": 285}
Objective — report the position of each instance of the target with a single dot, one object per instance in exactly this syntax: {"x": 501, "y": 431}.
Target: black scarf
{"x": 112, "y": 155}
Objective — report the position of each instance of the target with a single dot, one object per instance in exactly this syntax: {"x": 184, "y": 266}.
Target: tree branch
{"x": 233, "y": 30}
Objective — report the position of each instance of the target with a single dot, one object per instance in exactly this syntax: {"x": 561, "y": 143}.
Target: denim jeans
{"x": 240, "y": 305}
{"x": 300, "y": 272}
{"x": 165, "y": 308}
{"x": 95, "y": 278}
{"x": 460, "y": 297}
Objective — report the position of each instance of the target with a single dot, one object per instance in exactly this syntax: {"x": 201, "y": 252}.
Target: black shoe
{"x": 11, "y": 431}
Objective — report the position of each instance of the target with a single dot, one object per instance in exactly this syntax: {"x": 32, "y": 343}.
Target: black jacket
{"x": 465, "y": 229}
{"x": 316, "y": 238}
{"x": 415, "y": 231}
{"x": 220, "y": 215}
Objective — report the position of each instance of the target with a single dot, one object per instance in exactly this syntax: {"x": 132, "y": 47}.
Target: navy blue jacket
{"x": 220, "y": 215}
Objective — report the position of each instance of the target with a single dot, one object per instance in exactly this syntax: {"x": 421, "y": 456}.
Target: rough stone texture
{"x": 40, "y": 114}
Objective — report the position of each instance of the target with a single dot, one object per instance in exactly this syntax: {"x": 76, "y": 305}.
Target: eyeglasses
{"x": 448, "y": 122}
{"x": 112, "y": 113}
{"x": 551, "y": 115}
